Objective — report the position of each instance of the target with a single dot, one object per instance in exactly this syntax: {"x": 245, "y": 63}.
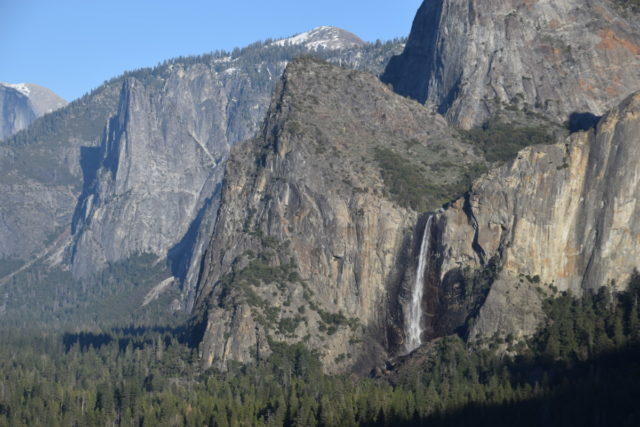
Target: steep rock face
{"x": 159, "y": 163}
{"x": 307, "y": 247}
{"x": 468, "y": 58}
{"x": 48, "y": 207}
{"x": 41, "y": 172}
{"x": 162, "y": 151}
{"x": 43, "y": 100}
{"x": 21, "y": 104}
{"x": 560, "y": 217}
{"x": 15, "y": 111}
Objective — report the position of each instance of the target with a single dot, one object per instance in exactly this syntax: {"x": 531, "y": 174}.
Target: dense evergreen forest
{"x": 581, "y": 368}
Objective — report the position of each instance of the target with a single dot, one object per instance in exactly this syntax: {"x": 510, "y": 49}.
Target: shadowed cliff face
{"x": 41, "y": 170}
{"x": 468, "y": 58}
{"x": 158, "y": 165}
{"x": 309, "y": 245}
{"x": 561, "y": 217}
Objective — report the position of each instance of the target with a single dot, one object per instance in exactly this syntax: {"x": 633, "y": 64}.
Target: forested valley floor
{"x": 581, "y": 368}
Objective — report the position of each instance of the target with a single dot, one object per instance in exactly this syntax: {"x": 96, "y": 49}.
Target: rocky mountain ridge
{"x": 327, "y": 226}
{"x": 545, "y": 223}
{"x": 185, "y": 133}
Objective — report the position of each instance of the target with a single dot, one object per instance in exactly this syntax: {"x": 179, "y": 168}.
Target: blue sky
{"x": 72, "y": 46}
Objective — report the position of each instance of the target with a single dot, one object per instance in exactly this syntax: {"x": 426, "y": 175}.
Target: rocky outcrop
{"x": 21, "y": 104}
{"x": 561, "y": 217}
{"x": 310, "y": 244}
{"x": 469, "y": 58}
{"x": 23, "y": 236}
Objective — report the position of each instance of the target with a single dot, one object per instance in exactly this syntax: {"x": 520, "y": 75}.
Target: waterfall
{"x": 414, "y": 317}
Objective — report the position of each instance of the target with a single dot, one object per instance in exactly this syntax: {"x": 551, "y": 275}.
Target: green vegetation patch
{"x": 582, "y": 366}
{"x": 411, "y": 186}
{"x": 633, "y": 5}
{"x": 579, "y": 329}
{"x": 260, "y": 271}
{"x": 500, "y": 141}
{"x": 404, "y": 180}
{"x": 288, "y": 325}
{"x": 51, "y": 296}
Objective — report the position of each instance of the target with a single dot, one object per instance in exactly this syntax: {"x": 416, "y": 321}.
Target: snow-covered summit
{"x": 326, "y": 37}
{"x": 22, "y": 103}
{"x": 20, "y": 87}
{"x": 41, "y": 99}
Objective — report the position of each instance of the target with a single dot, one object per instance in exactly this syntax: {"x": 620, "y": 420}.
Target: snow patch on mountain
{"x": 20, "y": 87}
{"x": 325, "y": 37}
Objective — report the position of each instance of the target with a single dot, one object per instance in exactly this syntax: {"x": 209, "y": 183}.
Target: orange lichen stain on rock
{"x": 610, "y": 40}
{"x": 300, "y": 216}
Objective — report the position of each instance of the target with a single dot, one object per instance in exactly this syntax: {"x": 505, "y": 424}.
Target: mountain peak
{"x": 325, "y": 37}
{"x": 20, "y": 87}
{"x": 42, "y": 99}
{"x": 22, "y": 103}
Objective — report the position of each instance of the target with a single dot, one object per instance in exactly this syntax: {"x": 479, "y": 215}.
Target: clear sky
{"x": 72, "y": 46}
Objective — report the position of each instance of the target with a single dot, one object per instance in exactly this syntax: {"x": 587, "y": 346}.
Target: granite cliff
{"x": 313, "y": 240}
{"x": 467, "y": 59}
{"x": 298, "y": 255}
{"x": 561, "y": 217}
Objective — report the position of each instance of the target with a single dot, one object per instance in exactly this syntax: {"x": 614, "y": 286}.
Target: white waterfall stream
{"x": 414, "y": 316}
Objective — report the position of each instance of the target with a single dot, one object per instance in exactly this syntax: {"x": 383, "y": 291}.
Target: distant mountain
{"x": 325, "y": 38}
{"x": 22, "y": 103}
